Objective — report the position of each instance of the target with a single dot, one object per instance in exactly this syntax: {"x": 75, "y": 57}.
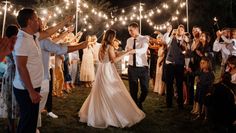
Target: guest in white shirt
{"x": 167, "y": 35}
{"x": 29, "y": 68}
{"x": 48, "y": 47}
{"x": 138, "y": 65}
{"x": 222, "y": 47}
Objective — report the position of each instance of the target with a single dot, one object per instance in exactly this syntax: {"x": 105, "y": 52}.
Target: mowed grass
{"x": 159, "y": 119}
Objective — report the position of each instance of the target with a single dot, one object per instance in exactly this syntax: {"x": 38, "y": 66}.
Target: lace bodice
{"x": 106, "y": 56}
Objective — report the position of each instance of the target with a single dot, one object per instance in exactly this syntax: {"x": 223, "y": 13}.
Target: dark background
{"x": 201, "y": 13}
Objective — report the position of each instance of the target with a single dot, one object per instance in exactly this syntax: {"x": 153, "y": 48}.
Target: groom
{"x": 138, "y": 65}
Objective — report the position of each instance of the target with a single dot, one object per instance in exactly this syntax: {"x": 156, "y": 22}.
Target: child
{"x": 205, "y": 79}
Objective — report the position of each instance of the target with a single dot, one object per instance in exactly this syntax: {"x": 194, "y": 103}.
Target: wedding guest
{"x": 47, "y": 47}
{"x": 175, "y": 67}
{"x": 6, "y": 46}
{"x": 12, "y": 109}
{"x": 87, "y": 73}
{"x": 205, "y": 79}
{"x": 29, "y": 67}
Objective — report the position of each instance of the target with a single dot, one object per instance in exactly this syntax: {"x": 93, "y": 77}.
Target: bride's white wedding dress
{"x": 109, "y": 103}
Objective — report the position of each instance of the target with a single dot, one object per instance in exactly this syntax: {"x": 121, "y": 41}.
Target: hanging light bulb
{"x": 123, "y": 22}
{"x": 45, "y": 11}
{"x": 175, "y": 1}
{"x": 177, "y": 12}
{"x": 158, "y": 11}
{"x": 145, "y": 16}
{"x": 112, "y": 22}
{"x": 185, "y": 19}
{"x": 54, "y": 24}
{"x": 99, "y": 14}
{"x": 85, "y": 5}
{"x": 123, "y": 11}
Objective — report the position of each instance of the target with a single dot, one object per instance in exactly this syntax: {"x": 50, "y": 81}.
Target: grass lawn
{"x": 158, "y": 118}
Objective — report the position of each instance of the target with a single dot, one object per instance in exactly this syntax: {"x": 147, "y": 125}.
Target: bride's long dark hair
{"x": 107, "y": 39}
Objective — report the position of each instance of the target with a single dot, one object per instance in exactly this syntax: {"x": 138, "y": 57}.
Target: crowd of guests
{"x": 51, "y": 67}
{"x": 191, "y": 61}
{"x": 26, "y": 81}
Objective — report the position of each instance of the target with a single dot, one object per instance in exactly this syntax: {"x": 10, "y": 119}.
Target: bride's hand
{"x": 131, "y": 51}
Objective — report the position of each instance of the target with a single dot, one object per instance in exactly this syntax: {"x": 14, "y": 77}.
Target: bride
{"x": 109, "y": 103}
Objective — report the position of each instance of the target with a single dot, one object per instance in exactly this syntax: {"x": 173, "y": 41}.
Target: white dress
{"x": 87, "y": 72}
{"x": 109, "y": 102}
{"x": 159, "y": 84}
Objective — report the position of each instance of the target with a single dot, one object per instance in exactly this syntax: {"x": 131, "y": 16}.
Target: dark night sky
{"x": 201, "y": 13}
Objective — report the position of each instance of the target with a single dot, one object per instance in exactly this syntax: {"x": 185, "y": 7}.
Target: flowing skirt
{"x": 109, "y": 103}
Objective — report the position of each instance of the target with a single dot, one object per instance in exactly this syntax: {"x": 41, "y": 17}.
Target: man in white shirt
{"x": 29, "y": 68}
{"x": 225, "y": 52}
{"x": 138, "y": 65}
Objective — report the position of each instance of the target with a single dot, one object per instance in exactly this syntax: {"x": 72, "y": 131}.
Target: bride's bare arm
{"x": 115, "y": 58}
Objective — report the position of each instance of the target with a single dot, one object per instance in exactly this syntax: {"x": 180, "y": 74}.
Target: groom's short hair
{"x": 133, "y": 24}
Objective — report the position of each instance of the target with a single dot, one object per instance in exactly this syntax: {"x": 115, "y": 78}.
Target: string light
{"x": 54, "y": 24}
{"x": 58, "y": 9}
{"x": 158, "y": 11}
{"x": 175, "y": 1}
{"x": 123, "y": 11}
{"x": 45, "y": 11}
{"x": 185, "y": 19}
{"x": 182, "y": 4}
{"x": 85, "y": 5}
{"x": 54, "y": 15}
{"x": 123, "y": 22}
{"x": 165, "y": 6}
{"x": 177, "y": 12}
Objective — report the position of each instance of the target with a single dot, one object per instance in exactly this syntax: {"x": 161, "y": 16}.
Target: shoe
{"x": 43, "y": 111}
{"x": 37, "y": 131}
{"x": 51, "y": 114}
{"x": 72, "y": 85}
{"x": 198, "y": 117}
{"x": 87, "y": 85}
